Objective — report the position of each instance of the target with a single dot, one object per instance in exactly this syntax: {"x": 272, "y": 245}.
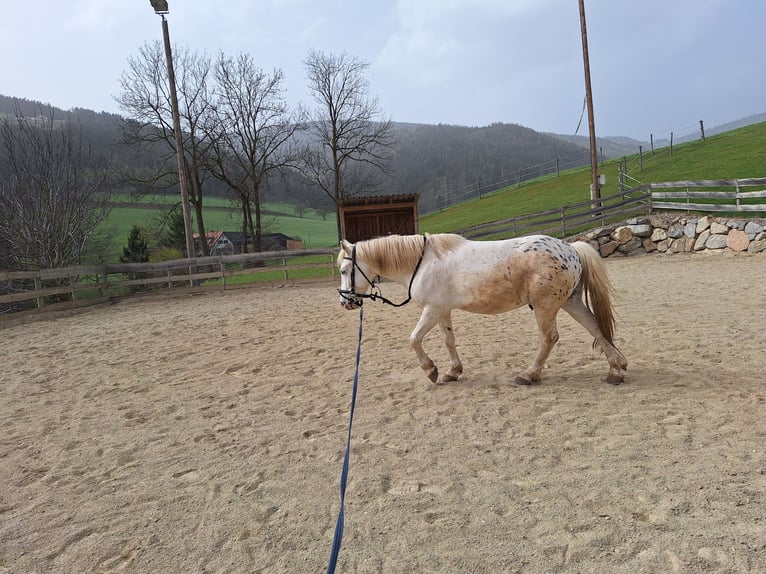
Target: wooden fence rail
{"x": 569, "y": 219}
{"x": 683, "y": 191}
{"x": 80, "y": 285}
{"x": 642, "y": 199}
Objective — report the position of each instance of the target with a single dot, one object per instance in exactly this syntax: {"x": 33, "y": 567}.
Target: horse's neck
{"x": 392, "y": 269}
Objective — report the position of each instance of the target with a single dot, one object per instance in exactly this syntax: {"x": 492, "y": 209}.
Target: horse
{"x": 443, "y": 272}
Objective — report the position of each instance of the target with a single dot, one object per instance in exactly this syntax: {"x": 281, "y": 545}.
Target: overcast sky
{"x": 656, "y": 65}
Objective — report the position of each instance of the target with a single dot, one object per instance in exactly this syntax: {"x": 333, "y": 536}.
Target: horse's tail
{"x": 598, "y": 289}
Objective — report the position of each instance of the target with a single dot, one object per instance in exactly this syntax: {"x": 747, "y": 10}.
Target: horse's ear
{"x": 346, "y": 246}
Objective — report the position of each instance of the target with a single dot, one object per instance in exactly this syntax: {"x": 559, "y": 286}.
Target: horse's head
{"x": 354, "y": 282}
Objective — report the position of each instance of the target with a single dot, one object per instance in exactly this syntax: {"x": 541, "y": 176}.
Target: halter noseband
{"x": 352, "y": 296}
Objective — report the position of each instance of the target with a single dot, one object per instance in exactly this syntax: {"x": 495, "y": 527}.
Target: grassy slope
{"x": 736, "y": 154}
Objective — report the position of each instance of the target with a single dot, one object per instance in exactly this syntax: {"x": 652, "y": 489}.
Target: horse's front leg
{"x": 428, "y": 319}
{"x": 456, "y": 367}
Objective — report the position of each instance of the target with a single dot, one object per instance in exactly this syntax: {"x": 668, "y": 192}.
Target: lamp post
{"x": 161, "y": 8}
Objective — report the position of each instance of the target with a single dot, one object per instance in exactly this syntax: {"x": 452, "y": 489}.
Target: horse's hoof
{"x": 432, "y": 374}
{"x": 448, "y": 378}
{"x": 614, "y": 379}
{"x": 521, "y": 381}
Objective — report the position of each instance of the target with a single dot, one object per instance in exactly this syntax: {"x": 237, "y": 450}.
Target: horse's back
{"x": 492, "y": 277}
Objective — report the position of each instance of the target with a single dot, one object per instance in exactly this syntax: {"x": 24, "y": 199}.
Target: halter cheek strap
{"x": 352, "y": 296}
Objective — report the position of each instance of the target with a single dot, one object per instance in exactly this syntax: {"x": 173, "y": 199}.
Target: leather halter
{"x": 355, "y": 298}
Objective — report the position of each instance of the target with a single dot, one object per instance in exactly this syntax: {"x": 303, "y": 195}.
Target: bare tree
{"x": 53, "y": 196}
{"x": 252, "y": 131}
{"x": 145, "y": 98}
{"x": 350, "y": 144}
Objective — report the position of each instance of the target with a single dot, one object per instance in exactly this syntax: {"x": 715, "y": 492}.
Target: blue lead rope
{"x": 344, "y": 474}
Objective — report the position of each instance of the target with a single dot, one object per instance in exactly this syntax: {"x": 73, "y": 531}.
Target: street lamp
{"x": 161, "y": 8}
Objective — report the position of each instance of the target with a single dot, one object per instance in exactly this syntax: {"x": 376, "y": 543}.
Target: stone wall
{"x": 673, "y": 233}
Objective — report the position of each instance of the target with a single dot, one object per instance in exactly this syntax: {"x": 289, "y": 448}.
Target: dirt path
{"x": 206, "y": 433}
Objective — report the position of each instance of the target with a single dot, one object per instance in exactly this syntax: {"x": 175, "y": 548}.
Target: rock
{"x": 622, "y": 234}
{"x": 737, "y": 240}
{"x": 659, "y": 234}
{"x": 716, "y": 241}
{"x": 718, "y": 228}
{"x": 608, "y": 248}
{"x": 640, "y": 220}
{"x": 661, "y": 220}
{"x": 662, "y": 246}
{"x": 699, "y": 244}
{"x": 634, "y": 244}
{"x": 751, "y": 227}
{"x": 757, "y": 246}
{"x": 676, "y": 230}
{"x": 690, "y": 229}
{"x": 736, "y": 224}
{"x": 649, "y": 245}
{"x": 682, "y": 244}
{"x": 641, "y": 229}
{"x": 602, "y": 232}
{"x": 703, "y": 223}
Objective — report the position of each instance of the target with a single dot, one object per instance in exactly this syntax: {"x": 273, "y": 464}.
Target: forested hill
{"x": 443, "y": 163}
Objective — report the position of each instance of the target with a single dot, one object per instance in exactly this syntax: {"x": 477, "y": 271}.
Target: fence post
{"x": 671, "y": 143}
{"x": 640, "y": 158}
{"x": 284, "y": 264}
{"x": 702, "y": 130}
{"x": 105, "y": 282}
{"x": 41, "y": 299}
{"x": 223, "y": 271}
{"x": 72, "y": 286}
{"x": 563, "y": 222}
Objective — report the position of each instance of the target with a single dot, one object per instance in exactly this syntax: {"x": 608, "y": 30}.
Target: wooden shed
{"x": 374, "y": 216}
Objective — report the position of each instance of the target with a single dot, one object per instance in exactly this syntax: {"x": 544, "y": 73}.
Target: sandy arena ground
{"x": 206, "y": 434}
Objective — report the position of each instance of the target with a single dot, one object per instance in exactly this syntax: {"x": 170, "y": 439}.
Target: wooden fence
{"x": 709, "y": 196}
{"x": 66, "y": 287}
{"x": 83, "y": 285}
{"x": 569, "y": 219}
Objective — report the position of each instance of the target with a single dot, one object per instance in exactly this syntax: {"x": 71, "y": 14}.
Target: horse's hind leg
{"x": 427, "y": 321}
{"x": 580, "y": 313}
{"x": 456, "y": 367}
{"x": 549, "y": 335}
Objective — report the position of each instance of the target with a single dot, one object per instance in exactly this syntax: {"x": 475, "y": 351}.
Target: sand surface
{"x": 206, "y": 434}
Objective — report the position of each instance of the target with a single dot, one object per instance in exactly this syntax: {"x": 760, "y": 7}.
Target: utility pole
{"x": 595, "y": 193}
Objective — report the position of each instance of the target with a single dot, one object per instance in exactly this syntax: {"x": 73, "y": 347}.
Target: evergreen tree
{"x": 137, "y": 251}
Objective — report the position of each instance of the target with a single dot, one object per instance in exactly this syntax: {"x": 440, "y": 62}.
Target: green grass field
{"x": 222, "y": 216}
{"x": 736, "y": 154}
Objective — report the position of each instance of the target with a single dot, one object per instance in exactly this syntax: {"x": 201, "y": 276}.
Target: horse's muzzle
{"x": 348, "y": 300}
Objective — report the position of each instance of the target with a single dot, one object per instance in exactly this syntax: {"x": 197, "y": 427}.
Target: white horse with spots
{"x": 445, "y": 272}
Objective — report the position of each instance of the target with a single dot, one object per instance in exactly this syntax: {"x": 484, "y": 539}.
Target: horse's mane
{"x": 397, "y": 253}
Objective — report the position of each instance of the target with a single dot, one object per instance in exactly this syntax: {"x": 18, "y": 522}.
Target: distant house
{"x": 230, "y": 242}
